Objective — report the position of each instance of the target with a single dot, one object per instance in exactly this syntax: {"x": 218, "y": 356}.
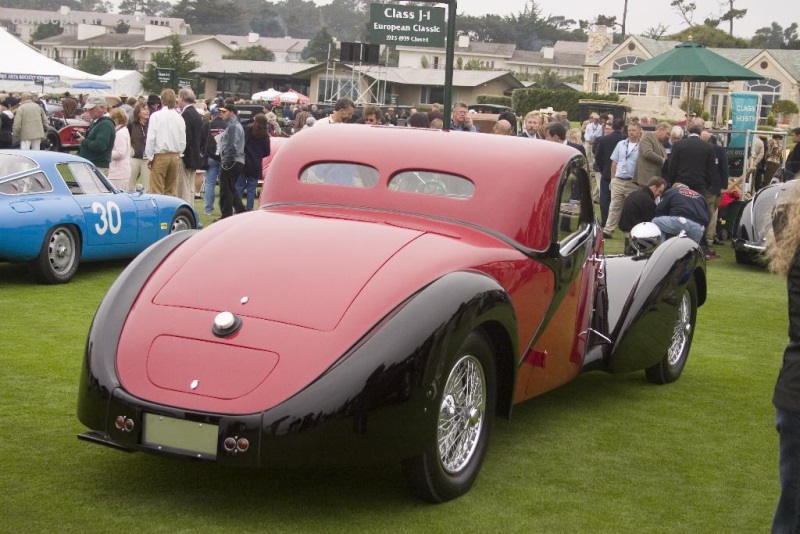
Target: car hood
{"x": 306, "y": 286}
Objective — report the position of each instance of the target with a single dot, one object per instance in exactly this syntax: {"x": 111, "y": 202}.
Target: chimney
{"x": 63, "y": 10}
{"x": 252, "y": 38}
{"x": 599, "y": 38}
{"x": 463, "y": 41}
{"x": 153, "y": 32}
{"x": 548, "y": 52}
{"x": 87, "y": 31}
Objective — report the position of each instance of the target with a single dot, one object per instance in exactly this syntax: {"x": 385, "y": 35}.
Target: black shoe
{"x": 608, "y": 235}
{"x": 716, "y": 241}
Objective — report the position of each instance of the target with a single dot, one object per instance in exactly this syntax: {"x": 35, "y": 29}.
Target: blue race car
{"x": 57, "y": 210}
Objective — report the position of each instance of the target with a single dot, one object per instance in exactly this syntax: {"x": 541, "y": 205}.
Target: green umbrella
{"x": 688, "y": 62}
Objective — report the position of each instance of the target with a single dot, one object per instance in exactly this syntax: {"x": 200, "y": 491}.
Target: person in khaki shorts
{"x": 166, "y": 141}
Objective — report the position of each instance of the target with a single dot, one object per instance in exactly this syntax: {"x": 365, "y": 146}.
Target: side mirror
{"x": 645, "y": 237}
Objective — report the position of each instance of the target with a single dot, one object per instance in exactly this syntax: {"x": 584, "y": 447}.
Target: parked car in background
{"x": 754, "y": 221}
{"x": 378, "y": 307}
{"x": 58, "y": 210}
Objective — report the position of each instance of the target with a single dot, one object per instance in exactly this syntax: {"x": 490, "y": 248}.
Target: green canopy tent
{"x": 688, "y": 62}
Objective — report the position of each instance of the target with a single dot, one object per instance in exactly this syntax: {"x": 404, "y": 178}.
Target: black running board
{"x": 101, "y": 438}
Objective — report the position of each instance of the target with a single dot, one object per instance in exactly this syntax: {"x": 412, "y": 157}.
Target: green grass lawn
{"x": 603, "y": 454}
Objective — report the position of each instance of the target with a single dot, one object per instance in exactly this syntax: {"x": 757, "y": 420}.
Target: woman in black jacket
{"x": 256, "y": 148}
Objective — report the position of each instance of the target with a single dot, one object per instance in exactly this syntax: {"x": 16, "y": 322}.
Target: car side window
{"x": 574, "y": 209}
{"x": 32, "y": 183}
{"x": 346, "y": 174}
{"x": 82, "y": 179}
{"x": 432, "y": 183}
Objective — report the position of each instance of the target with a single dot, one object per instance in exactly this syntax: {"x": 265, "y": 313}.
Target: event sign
{"x": 184, "y": 82}
{"x": 164, "y": 76}
{"x": 35, "y": 78}
{"x": 406, "y": 25}
{"x": 745, "y": 116}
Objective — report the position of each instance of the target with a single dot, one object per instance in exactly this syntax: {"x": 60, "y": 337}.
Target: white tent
{"x": 123, "y": 82}
{"x": 23, "y": 68}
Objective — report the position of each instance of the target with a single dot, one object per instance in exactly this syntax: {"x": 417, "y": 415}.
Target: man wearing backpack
{"x": 99, "y": 140}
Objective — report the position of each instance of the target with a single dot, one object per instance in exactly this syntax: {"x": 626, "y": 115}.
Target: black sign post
{"x": 391, "y": 24}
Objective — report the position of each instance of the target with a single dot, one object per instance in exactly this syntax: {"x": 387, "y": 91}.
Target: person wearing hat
{"x": 166, "y": 141}
{"x": 99, "y": 140}
{"x": 153, "y": 103}
{"x": 231, "y": 152}
{"x": 30, "y": 123}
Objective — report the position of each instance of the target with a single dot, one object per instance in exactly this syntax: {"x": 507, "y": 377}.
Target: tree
{"x": 43, "y": 31}
{"x": 732, "y": 14}
{"x": 125, "y": 62}
{"x": 685, "y": 10}
{"x": 301, "y": 18}
{"x": 251, "y": 53}
{"x": 711, "y": 37}
{"x": 317, "y": 49}
{"x": 212, "y": 16}
{"x": 656, "y": 32}
{"x": 122, "y": 27}
{"x": 775, "y": 36}
{"x": 474, "y": 64}
{"x": 94, "y": 62}
{"x": 174, "y": 57}
{"x": 547, "y": 78}
{"x": 784, "y": 108}
{"x": 346, "y": 19}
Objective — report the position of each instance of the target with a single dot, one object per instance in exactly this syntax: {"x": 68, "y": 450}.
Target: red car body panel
{"x": 305, "y": 319}
{"x": 306, "y": 305}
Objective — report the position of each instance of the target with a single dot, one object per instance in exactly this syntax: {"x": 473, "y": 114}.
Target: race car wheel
{"x": 51, "y": 141}
{"x": 743, "y": 257}
{"x": 183, "y": 220}
{"x": 59, "y": 257}
{"x": 466, "y": 405}
{"x": 669, "y": 369}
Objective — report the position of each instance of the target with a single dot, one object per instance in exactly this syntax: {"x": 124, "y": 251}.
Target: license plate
{"x": 167, "y": 433}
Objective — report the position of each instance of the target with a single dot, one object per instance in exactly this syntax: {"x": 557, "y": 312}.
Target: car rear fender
{"x": 380, "y": 399}
{"x": 643, "y": 299}
{"x": 98, "y": 374}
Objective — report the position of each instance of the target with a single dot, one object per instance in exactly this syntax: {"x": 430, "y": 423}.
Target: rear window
{"x": 12, "y": 164}
{"x": 32, "y": 183}
{"x": 346, "y": 174}
{"x": 432, "y": 183}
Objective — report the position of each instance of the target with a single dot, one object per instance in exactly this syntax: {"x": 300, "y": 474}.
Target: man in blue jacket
{"x": 682, "y": 210}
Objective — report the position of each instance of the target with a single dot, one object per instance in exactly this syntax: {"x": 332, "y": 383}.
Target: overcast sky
{"x": 643, "y": 14}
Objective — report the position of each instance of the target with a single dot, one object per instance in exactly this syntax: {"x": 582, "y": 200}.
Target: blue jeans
{"x": 670, "y": 226}
{"x": 605, "y": 200}
{"x": 251, "y": 183}
{"x": 787, "y": 514}
{"x": 211, "y": 183}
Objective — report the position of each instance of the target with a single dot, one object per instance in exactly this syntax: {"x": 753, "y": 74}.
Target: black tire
{"x": 182, "y": 220}
{"x": 440, "y": 475}
{"x": 670, "y": 367}
{"x": 51, "y": 142}
{"x": 743, "y": 257}
{"x": 59, "y": 256}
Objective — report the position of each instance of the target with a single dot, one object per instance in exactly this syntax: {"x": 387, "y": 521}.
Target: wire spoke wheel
{"x": 461, "y": 414}
{"x": 681, "y": 331}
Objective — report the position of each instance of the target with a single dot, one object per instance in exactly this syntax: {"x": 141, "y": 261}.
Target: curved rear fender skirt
{"x": 377, "y": 403}
{"x": 98, "y": 374}
{"x": 644, "y": 329}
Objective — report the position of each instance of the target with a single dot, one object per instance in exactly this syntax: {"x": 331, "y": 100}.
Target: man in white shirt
{"x": 623, "y": 170}
{"x": 166, "y": 141}
{"x": 343, "y": 109}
